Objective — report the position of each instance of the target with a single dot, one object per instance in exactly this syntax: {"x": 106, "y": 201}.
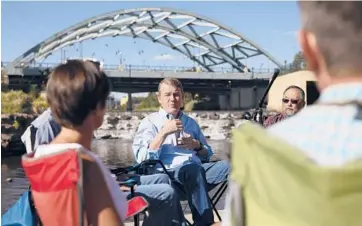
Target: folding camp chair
{"x": 276, "y": 184}
{"x": 146, "y": 167}
{"x": 69, "y": 188}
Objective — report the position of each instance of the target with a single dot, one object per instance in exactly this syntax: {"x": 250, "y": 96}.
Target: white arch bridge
{"x": 181, "y": 31}
{"x": 178, "y": 30}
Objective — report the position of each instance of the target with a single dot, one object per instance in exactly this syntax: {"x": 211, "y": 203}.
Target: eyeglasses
{"x": 293, "y": 101}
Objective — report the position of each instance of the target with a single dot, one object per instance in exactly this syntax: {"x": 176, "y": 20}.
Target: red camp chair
{"x": 69, "y": 188}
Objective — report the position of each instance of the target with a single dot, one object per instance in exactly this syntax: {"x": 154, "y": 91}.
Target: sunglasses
{"x": 285, "y": 100}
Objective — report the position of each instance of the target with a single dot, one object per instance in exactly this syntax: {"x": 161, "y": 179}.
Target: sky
{"x": 271, "y": 25}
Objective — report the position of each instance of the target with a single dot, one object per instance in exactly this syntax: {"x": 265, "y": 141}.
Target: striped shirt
{"x": 46, "y": 129}
{"x": 271, "y": 120}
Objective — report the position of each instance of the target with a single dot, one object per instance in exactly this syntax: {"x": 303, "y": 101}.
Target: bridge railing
{"x": 133, "y": 67}
{"x": 153, "y": 68}
{"x": 149, "y": 68}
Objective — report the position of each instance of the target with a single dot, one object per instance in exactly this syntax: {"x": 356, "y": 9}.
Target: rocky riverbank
{"x": 215, "y": 125}
{"x": 118, "y": 125}
{"x": 12, "y": 127}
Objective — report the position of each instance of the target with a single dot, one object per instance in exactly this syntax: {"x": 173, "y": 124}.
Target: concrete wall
{"x": 224, "y": 102}
{"x": 299, "y": 78}
{"x": 245, "y": 98}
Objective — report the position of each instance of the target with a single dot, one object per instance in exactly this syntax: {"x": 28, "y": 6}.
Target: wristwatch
{"x": 199, "y": 148}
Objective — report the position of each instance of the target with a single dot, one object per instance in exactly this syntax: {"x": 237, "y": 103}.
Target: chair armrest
{"x": 128, "y": 183}
{"x": 122, "y": 170}
{"x": 153, "y": 162}
{"x": 139, "y": 168}
{"x": 135, "y": 168}
{"x": 203, "y": 161}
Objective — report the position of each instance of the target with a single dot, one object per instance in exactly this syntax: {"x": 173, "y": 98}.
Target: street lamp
{"x": 261, "y": 66}
{"x": 81, "y": 49}
{"x": 63, "y": 54}
{"x": 121, "y": 56}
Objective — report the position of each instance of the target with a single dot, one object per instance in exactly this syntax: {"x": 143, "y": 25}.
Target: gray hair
{"x": 301, "y": 91}
{"x": 337, "y": 26}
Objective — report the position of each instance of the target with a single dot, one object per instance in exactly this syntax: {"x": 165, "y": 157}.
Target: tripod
{"x": 258, "y": 113}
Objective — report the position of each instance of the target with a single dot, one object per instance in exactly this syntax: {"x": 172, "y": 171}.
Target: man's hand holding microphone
{"x": 175, "y": 126}
{"x": 185, "y": 141}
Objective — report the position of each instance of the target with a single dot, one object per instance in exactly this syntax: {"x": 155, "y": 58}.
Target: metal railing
{"x": 152, "y": 68}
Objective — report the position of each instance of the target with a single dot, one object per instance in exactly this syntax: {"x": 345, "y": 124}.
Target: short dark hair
{"x": 337, "y": 26}
{"x": 74, "y": 89}
{"x": 302, "y": 93}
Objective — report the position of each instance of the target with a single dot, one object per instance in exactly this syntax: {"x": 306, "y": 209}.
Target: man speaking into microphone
{"x": 177, "y": 140}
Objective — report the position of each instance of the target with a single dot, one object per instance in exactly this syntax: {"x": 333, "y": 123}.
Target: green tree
{"x": 40, "y": 104}
{"x": 34, "y": 92}
{"x": 15, "y": 102}
{"x": 151, "y": 102}
{"x": 148, "y": 103}
{"x": 4, "y": 80}
{"x": 188, "y": 98}
{"x": 297, "y": 64}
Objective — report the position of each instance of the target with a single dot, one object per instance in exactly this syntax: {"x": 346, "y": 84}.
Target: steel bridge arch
{"x": 143, "y": 22}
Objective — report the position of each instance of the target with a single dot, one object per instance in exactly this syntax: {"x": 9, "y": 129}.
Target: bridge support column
{"x": 224, "y": 101}
{"x": 129, "y": 102}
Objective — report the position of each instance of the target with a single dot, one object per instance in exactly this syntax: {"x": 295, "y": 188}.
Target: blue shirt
{"x": 170, "y": 155}
{"x": 329, "y": 134}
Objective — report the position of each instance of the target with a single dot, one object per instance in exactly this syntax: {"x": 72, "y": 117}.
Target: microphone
{"x": 178, "y": 132}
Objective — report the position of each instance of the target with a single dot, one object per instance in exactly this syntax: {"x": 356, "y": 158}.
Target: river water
{"x": 114, "y": 153}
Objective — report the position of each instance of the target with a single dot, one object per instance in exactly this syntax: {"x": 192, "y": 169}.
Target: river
{"x": 114, "y": 153}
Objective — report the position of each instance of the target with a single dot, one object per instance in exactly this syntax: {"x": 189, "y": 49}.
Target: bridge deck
{"x": 157, "y": 72}
{"x": 135, "y": 79}
{"x": 150, "y": 84}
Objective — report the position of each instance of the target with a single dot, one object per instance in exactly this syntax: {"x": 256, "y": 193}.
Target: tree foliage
{"x": 297, "y": 64}
{"x": 151, "y": 101}
{"x": 4, "y": 80}
{"x": 19, "y": 102}
{"x": 15, "y": 102}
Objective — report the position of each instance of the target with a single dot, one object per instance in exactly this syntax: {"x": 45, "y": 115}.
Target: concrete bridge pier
{"x": 129, "y": 102}
{"x": 225, "y": 101}
{"x": 242, "y": 98}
